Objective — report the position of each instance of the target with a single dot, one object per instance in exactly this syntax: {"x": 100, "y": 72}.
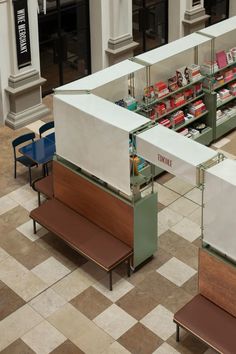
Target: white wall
{"x": 175, "y": 18}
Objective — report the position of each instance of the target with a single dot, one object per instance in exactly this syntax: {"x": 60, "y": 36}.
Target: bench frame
{"x": 127, "y": 259}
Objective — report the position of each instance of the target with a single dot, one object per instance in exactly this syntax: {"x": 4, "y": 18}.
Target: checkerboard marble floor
{"x": 53, "y": 301}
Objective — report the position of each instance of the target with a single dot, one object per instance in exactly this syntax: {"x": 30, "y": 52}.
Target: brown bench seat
{"x": 84, "y": 236}
{"x": 208, "y": 322}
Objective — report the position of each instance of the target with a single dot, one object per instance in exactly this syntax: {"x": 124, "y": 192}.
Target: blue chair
{"x": 23, "y": 159}
{"x": 45, "y": 127}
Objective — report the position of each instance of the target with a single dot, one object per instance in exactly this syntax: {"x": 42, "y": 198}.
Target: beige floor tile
{"x": 187, "y": 229}
{"x": 221, "y": 143}
{"x": 50, "y": 271}
{"x": 165, "y": 195}
{"x": 176, "y": 271}
{"x": 11, "y": 270}
{"x": 160, "y": 321}
{"x": 195, "y": 195}
{"x": 47, "y": 303}
{"x": 23, "y": 194}
{"x": 17, "y": 324}
{"x": 6, "y": 204}
{"x": 76, "y": 282}
{"x": 43, "y": 338}
{"x": 165, "y": 348}
{"x": 179, "y": 186}
{"x": 3, "y": 254}
{"x": 183, "y": 206}
{"x": 116, "y": 348}
{"x": 31, "y": 204}
{"x": 67, "y": 347}
{"x": 120, "y": 287}
{"x": 167, "y": 218}
{"x": 26, "y": 229}
{"x": 34, "y": 127}
{"x": 196, "y": 216}
{"x": 83, "y": 332}
{"x": 114, "y": 321}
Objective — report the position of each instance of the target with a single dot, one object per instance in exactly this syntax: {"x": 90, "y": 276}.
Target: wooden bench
{"x": 211, "y": 315}
{"x": 92, "y": 221}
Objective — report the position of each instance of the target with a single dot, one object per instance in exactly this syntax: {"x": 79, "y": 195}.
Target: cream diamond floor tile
{"x": 26, "y": 229}
{"x": 195, "y": 195}
{"x": 6, "y": 204}
{"x": 183, "y": 206}
{"x": 178, "y": 185}
{"x": 187, "y": 229}
{"x": 78, "y": 281}
{"x": 176, "y": 271}
{"x": 166, "y": 219}
{"x": 196, "y": 216}
{"x": 221, "y": 143}
{"x": 165, "y": 348}
{"x": 115, "y": 321}
{"x": 17, "y": 324}
{"x": 50, "y": 271}
{"x": 160, "y": 321}
{"x": 23, "y": 194}
{"x": 165, "y": 195}
{"x": 120, "y": 287}
{"x": 116, "y": 348}
{"x": 35, "y": 126}
{"x": 32, "y": 204}
{"x": 47, "y": 303}
{"x": 80, "y": 330}
{"x": 3, "y": 254}
{"x": 43, "y": 338}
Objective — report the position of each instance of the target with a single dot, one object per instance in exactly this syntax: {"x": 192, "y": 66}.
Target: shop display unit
{"x": 220, "y": 76}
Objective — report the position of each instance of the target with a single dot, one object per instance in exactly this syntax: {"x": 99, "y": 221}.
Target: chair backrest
{"x": 46, "y": 127}
{"x": 217, "y": 280}
{"x": 22, "y": 139}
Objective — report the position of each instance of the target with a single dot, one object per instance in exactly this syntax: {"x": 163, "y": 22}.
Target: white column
{"x": 232, "y": 8}
{"x": 111, "y": 32}
{"x": 22, "y": 87}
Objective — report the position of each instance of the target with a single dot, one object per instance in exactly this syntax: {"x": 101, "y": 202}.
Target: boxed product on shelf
{"x": 221, "y": 59}
{"x": 189, "y": 94}
{"x": 165, "y": 122}
{"x": 224, "y": 94}
{"x": 197, "y": 89}
{"x": 149, "y": 94}
{"x": 197, "y": 108}
{"x": 160, "y": 109}
{"x": 228, "y": 75}
{"x": 194, "y": 72}
{"x": 209, "y": 83}
{"x": 183, "y": 131}
{"x": 172, "y": 83}
{"x": 178, "y": 118}
{"x": 233, "y": 51}
{"x": 168, "y": 103}
{"x": 229, "y": 57}
{"x": 161, "y": 89}
{"x": 182, "y": 76}
{"x": 178, "y": 99}
{"x": 209, "y": 67}
{"x": 219, "y": 79}
{"x": 194, "y": 132}
{"x": 232, "y": 88}
{"x": 130, "y": 103}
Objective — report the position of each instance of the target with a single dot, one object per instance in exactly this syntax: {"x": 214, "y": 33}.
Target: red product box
{"x": 165, "y": 122}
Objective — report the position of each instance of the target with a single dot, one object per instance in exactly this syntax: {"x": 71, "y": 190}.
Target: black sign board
{"x": 22, "y": 33}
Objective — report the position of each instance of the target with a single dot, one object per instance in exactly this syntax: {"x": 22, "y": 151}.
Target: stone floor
{"x": 54, "y": 301}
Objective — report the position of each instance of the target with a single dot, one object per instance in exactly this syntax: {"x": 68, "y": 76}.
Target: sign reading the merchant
{"x": 22, "y": 33}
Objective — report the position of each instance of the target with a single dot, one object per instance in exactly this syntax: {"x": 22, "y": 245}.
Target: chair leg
{"x": 30, "y": 177}
{"x": 34, "y": 226}
{"x": 177, "y": 332}
{"x": 15, "y": 169}
{"x": 128, "y": 266}
{"x": 110, "y": 280}
{"x": 39, "y": 199}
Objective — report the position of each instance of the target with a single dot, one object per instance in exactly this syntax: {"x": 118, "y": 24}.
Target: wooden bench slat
{"x": 83, "y": 235}
{"x": 210, "y": 323}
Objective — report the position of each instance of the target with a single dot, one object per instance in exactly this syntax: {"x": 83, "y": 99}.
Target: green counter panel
{"x": 145, "y": 228}
{"x": 205, "y": 137}
{"x": 225, "y": 127}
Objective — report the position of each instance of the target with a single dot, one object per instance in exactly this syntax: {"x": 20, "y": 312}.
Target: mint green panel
{"x": 206, "y": 137}
{"x": 225, "y": 127}
{"x": 145, "y": 228}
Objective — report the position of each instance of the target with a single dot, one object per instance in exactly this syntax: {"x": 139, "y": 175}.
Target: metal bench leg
{"x": 177, "y": 332}
{"x": 128, "y": 266}
{"x": 39, "y": 200}
{"x": 110, "y": 280}
{"x": 34, "y": 225}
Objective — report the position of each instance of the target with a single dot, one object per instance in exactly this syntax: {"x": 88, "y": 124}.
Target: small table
{"x": 40, "y": 151}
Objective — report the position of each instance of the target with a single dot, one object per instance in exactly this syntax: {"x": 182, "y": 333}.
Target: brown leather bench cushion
{"x": 80, "y": 233}
{"x": 45, "y": 186}
{"x": 210, "y": 323}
